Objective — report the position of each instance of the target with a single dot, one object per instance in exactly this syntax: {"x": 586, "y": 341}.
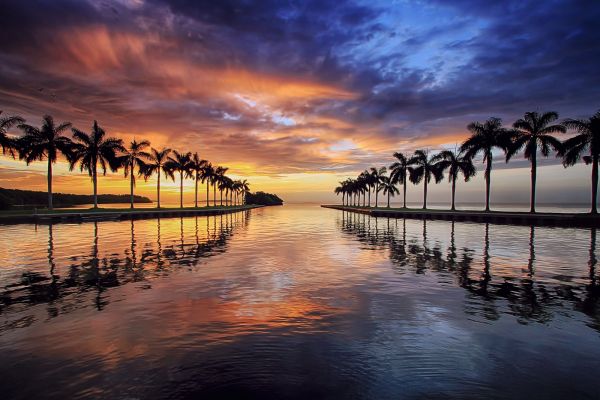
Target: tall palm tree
{"x": 484, "y": 139}
{"x": 45, "y": 142}
{"x": 226, "y": 185}
{"x": 587, "y": 141}
{"x": 376, "y": 176}
{"x": 388, "y": 187}
{"x": 535, "y": 131}
{"x": 235, "y": 187}
{"x": 134, "y": 156}
{"x": 197, "y": 166}
{"x": 156, "y": 164}
{"x": 456, "y": 163}
{"x": 219, "y": 174}
{"x": 208, "y": 173}
{"x": 425, "y": 168}
{"x": 399, "y": 172}
{"x": 8, "y": 144}
{"x": 180, "y": 162}
{"x": 92, "y": 149}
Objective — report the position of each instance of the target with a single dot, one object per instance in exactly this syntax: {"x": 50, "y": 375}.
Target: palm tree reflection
{"x": 87, "y": 280}
{"x": 489, "y": 296}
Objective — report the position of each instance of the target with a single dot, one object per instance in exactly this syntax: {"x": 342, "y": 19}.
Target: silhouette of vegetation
{"x": 155, "y": 165}
{"x": 46, "y": 143}
{"x": 92, "y": 149}
{"x": 30, "y": 198}
{"x": 586, "y": 140}
{"x": 533, "y": 133}
{"x": 264, "y": 199}
{"x": 8, "y": 144}
{"x": 182, "y": 163}
{"x": 134, "y": 157}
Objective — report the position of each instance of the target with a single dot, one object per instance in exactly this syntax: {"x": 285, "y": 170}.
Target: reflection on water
{"x": 297, "y": 302}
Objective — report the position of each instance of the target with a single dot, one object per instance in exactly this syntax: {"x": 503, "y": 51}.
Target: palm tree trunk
{"x": 453, "y": 192}
{"x": 376, "y": 195}
{"x": 594, "y": 184}
{"x": 207, "y": 191}
{"x": 533, "y": 179}
{"x": 158, "y": 188}
{"x": 388, "y": 200}
{"x": 488, "y": 178}
{"x": 405, "y": 192}
{"x": 95, "y": 181}
{"x": 50, "y": 207}
{"x": 131, "y": 186}
{"x": 215, "y": 194}
{"x": 196, "y": 192}
{"x": 425, "y": 193}
{"x": 369, "y": 196}
{"x": 180, "y": 189}
{"x": 221, "y": 194}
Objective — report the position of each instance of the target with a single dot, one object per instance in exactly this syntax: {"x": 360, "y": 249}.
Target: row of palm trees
{"x": 534, "y": 133}
{"x": 96, "y": 151}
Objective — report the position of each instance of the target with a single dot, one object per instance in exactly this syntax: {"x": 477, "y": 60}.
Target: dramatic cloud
{"x": 283, "y": 87}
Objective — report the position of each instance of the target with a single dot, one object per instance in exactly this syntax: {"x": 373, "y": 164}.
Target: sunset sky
{"x": 297, "y": 95}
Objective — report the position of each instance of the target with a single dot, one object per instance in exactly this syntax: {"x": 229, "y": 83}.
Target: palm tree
{"x": 425, "y": 168}
{"x": 45, "y": 142}
{"x": 134, "y": 157}
{"x": 235, "y": 187}
{"x": 8, "y": 144}
{"x": 181, "y": 163}
{"x": 376, "y": 176}
{"x": 245, "y": 189}
{"x": 219, "y": 174}
{"x": 485, "y": 137}
{"x": 156, "y": 164}
{"x": 456, "y": 163}
{"x": 225, "y": 184}
{"x": 388, "y": 187}
{"x": 93, "y": 149}
{"x": 399, "y": 172}
{"x": 208, "y": 173}
{"x": 535, "y": 131}
{"x": 588, "y": 140}
{"x": 197, "y": 166}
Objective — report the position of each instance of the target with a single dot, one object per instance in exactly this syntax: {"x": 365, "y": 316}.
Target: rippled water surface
{"x": 297, "y": 302}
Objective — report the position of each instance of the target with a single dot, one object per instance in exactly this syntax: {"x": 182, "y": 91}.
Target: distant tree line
{"x": 534, "y": 134}
{"x": 262, "y": 198}
{"x": 95, "y": 152}
{"x": 29, "y": 198}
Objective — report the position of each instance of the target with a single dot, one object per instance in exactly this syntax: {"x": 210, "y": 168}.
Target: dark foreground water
{"x": 297, "y": 302}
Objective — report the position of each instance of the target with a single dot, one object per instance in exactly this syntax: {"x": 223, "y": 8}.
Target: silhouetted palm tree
{"x": 180, "y": 162}
{"x": 456, "y": 163}
{"x": 376, "y": 176}
{"x": 134, "y": 157}
{"x": 226, "y": 185}
{"x": 425, "y": 168}
{"x": 535, "y": 131}
{"x": 8, "y": 144}
{"x": 388, "y": 187}
{"x": 236, "y": 187}
{"x": 485, "y": 137}
{"x": 588, "y": 140}
{"x": 156, "y": 164}
{"x": 92, "y": 149}
{"x": 219, "y": 174}
{"x": 45, "y": 142}
{"x": 245, "y": 189}
{"x": 208, "y": 173}
{"x": 399, "y": 172}
{"x": 197, "y": 166}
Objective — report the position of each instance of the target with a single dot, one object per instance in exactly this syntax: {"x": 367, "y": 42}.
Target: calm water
{"x": 297, "y": 302}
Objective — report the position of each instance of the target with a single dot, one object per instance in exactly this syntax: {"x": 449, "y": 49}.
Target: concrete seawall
{"x": 108, "y": 215}
{"x": 572, "y": 220}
